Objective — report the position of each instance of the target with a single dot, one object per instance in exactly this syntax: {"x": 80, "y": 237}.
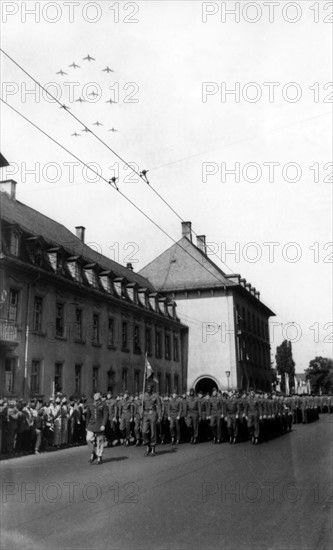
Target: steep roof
{"x": 184, "y": 266}
{"x": 56, "y": 234}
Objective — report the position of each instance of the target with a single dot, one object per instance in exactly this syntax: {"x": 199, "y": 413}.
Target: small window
{"x": 95, "y": 378}
{"x": 77, "y": 372}
{"x": 111, "y": 332}
{"x": 124, "y": 335}
{"x": 9, "y": 374}
{"x": 37, "y": 320}
{"x": 58, "y": 377}
{"x": 96, "y": 329}
{"x": 13, "y": 305}
{"x": 137, "y": 347}
{"x": 35, "y": 377}
{"x": 60, "y": 326}
{"x": 148, "y": 341}
{"x": 78, "y": 324}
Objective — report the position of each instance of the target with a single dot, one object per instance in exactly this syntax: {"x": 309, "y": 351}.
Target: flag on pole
{"x": 149, "y": 370}
{"x": 296, "y": 384}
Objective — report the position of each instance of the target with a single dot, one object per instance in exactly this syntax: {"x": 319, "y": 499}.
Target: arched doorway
{"x": 205, "y": 385}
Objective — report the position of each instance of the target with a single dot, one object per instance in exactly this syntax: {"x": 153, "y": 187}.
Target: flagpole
{"x": 144, "y": 381}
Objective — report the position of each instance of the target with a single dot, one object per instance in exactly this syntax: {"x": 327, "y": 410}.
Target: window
{"x": 96, "y": 331}
{"x": 167, "y": 384}
{"x": 176, "y": 383}
{"x": 106, "y": 283}
{"x": 124, "y": 379}
{"x": 159, "y": 381}
{"x": 158, "y": 346}
{"x": 111, "y": 332}
{"x": 95, "y": 378}
{"x": 167, "y": 346}
{"x": 57, "y": 377}
{"x": 111, "y": 380}
{"x": 75, "y": 270}
{"x": 9, "y": 374}
{"x": 35, "y": 377}
{"x": 137, "y": 348}
{"x": 13, "y": 305}
{"x": 13, "y": 242}
{"x": 37, "y": 320}
{"x": 124, "y": 335}
{"x": 148, "y": 341}
{"x": 77, "y": 372}
{"x": 175, "y": 348}
{"x": 78, "y": 324}
{"x": 137, "y": 381}
{"x": 60, "y": 327}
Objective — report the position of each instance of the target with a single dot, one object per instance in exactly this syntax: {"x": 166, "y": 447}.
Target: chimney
{"x": 129, "y": 266}
{"x": 201, "y": 243}
{"x": 9, "y": 187}
{"x": 80, "y": 230}
{"x": 186, "y": 230}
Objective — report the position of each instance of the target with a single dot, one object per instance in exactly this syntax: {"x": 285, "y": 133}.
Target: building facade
{"x": 73, "y": 320}
{"x": 229, "y": 343}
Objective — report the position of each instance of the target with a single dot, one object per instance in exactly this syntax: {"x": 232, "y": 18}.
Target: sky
{"x": 229, "y": 107}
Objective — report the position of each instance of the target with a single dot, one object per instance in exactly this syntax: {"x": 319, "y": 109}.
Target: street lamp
{"x": 227, "y": 372}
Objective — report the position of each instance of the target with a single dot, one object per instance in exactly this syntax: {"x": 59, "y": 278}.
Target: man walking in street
{"x": 97, "y": 414}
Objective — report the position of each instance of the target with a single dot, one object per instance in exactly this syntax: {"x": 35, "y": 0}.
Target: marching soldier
{"x": 232, "y": 414}
{"x": 97, "y": 414}
{"x": 174, "y": 411}
{"x": 192, "y": 414}
{"x": 125, "y": 417}
{"x": 151, "y": 411}
{"x": 214, "y": 415}
{"x": 252, "y": 414}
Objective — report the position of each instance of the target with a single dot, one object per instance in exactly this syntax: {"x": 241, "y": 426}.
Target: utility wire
{"x": 112, "y": 186}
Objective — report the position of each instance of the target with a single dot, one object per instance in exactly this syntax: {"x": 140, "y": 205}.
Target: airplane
{"x": 74, "y": 65}
{"x": 113, "y": 130}
{"x": 107, "y": 70}
{"x": 80, "y": 100}
{"x": 64, "y": 107}
{"x": 61, "y": 72}
{"x": 88, "y": 58}
{"x": 85, "y": 129}
{"x": 97, "y": 123}
{"x": 110, "y": 101}
{"x": 76, "y": 135}
{"x": 95, "y": 94}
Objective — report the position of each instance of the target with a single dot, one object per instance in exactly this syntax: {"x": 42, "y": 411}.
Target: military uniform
{"x": 97, "y": 413}
{"x": 192, "y": 413}
{"x": 151, "y": 410}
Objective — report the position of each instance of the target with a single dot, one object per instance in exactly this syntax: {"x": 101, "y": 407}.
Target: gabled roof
{"x": 184, "y": 266}
{"x": 55, "y": 234}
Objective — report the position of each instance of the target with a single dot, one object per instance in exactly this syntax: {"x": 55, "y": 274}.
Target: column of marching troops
{"x": 151, "y": 419}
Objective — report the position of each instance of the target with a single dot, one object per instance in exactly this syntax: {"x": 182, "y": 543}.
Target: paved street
{"x": 271, "y": 496}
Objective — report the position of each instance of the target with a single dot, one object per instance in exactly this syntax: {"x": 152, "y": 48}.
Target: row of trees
{"x": 319, "y": 372}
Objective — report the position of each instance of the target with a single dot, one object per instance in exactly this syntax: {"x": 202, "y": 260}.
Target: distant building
{"x": 72, "y": 320}
{"x": 228, "y": 324}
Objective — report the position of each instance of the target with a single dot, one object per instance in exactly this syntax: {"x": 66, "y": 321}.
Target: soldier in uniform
{"x": 192, "y": 414}
{"x": 174, "y": 411}
{"x": 252, "y": 415}
{"x": 125, "y": 417}
{"x": 151, "y": 411}
{"x": 137, "y": 415}
{"x": 214, "y": 415}
{"x": 97, "y": 414}
{"x": 232, "y": 414}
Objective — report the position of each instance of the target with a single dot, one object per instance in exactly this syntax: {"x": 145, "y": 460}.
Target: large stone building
{"x": 73, "y": 320}
{"x": 228, "y": 324}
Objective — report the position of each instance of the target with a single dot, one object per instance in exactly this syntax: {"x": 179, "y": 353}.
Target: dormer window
{"x": 119, "y": 287}
{"x": 75, "y": 268}
{"x": 12, "y": 237}
{"x": 35, "y": 250}
{"x": 171, "y": 309}
{"x": 142, "y": 297}
{"x": 162, "y": 305}
{"x": 91, "y": 274}
{"x": 105, "y": 280}
{"x": 152, "y": 301}
{"x": 54, "y": 256}
{"x": 132, "y": 292}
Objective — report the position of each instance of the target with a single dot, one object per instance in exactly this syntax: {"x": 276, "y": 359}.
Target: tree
{"x": 285, "y": 364}
{"x": 320, "y": 374}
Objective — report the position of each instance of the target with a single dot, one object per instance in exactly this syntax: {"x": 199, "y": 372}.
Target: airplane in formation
{"x": 74, "y": 65}
{"x": 107, "y": 70}
{"x": 76, "y": 135}
{"x": 61, "y": 72}
{"x": 113, "y": 130}
{"x": 88, "y": 58}
{"x": 80, "y": 100}
{"x": 110, "y": 101}
{"x": 97, "y": 123}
